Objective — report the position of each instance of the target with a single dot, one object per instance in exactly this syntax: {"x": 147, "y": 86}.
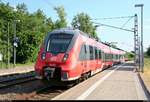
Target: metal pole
{"x": 142, "y": 54}
{"x": 136, "y": 60}
{"x": 8, "y": 61}
{"x": 14, "y": 46}
{"x": 142, "y": 38}
{"x": 139, "y": 45}
{"x": 135, "y": 20}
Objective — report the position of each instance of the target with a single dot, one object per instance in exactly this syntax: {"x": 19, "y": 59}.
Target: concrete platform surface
{"x": 16, "y": 70}
{"x": 117, "y": 83}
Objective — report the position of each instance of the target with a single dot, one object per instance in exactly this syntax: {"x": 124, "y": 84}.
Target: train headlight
{"x": 65, "y": 57}
{"x": 43, "y": 56}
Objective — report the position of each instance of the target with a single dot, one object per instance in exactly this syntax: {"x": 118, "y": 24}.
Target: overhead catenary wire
{"x": 121, "y": 28}
{"x": 100, "y": 24}
{"x": 127, "y": 21}
{"x": 122, "y": 17}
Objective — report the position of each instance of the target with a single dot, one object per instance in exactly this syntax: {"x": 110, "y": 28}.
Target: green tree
{"x": 129, "y": 55}
{"x": 61, "y": 22}
{"x": 6, "y": 15}
{"x": 21, "y": 8}
{"x": 148, "y": 51}
{"x": 31, "y": 30}
{"x": 82, "y": 22}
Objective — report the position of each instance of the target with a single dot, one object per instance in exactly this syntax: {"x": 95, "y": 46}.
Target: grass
{"x": 146, "y": 74}
{"x": 26, "y": 64}
{"x": 4, "y": 65}
{"x": 147, "y": 66}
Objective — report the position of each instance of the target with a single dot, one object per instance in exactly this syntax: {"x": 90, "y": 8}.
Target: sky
{"x": 100, "y": 9}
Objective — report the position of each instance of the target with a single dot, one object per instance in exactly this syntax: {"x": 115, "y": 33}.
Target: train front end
{"x": 55, "y": 56}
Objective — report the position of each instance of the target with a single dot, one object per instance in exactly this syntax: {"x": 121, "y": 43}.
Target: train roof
{"x": 77, "y": 31}
{"x": 70, "y": 31}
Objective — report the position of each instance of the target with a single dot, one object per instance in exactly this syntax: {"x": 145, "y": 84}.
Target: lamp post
{"x": 8, "y": 60}
{"x": 14, "y": 43}
{"x": 142, "y": 54}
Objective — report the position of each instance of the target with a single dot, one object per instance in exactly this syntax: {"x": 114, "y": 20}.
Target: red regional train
{"x": 69, "y": 55}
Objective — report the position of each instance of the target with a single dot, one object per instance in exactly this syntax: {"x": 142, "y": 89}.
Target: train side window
{"x": 117, "y": 57}
{"x": 111, "y": 56}
{"x": 85, "y": 49}
{"x": 87, "y": 52}
{"x": 104, "y": 56}
{"x": 91, "y": 53}
{"x": 107, "y": 57}
{"x": 114, "y": 57}
{"x": 96, "y": 55}
{"x": 100, "y": 55}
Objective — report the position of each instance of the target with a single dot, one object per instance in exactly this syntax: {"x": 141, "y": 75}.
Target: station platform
{"x": 17, "y": 70}
{"x": 116, "y": 83}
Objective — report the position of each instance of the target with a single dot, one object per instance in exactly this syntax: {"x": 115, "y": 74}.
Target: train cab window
{"x": 58, "y": 43}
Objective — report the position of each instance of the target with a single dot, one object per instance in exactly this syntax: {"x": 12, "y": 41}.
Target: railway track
{"x": 16, "y": 80}
{"x": 45, "y": 93}
{"x": 16, "y": 75}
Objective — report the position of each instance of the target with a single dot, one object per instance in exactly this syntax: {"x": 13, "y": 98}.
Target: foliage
{"x": 148, "y": 51}
{"x": 129, "y": 55}
{"x": 82, "y": 21}
{"x": 31, "y": 30}
{"x": 61, "y": 22}
{"x": 147, "y": 67}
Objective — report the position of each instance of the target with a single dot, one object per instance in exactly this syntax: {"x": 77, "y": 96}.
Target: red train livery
{"x": 68, "y": 55}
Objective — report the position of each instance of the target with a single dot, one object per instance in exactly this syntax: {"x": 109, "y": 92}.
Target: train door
{"x": 91, "y": 58}
{"x": 85, "y": 63}
{"x": 83, "y": 58}
{"x": 99, "y": 58}
{"x": 103, "y": 59}
{"x": 96, "y": 58}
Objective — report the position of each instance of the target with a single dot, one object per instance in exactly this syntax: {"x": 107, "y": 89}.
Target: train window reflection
{"x": 58, "y": 44}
